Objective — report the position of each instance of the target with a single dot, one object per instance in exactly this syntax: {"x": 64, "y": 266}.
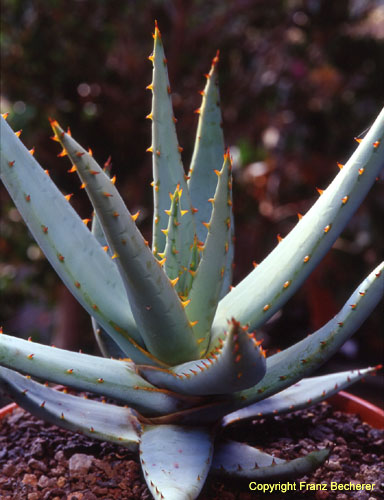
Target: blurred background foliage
{"x": 299, "y": 80}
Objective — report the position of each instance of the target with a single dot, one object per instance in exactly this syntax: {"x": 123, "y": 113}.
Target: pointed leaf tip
{"x": 157, "y": 31}
{"x": 215, "y": 60}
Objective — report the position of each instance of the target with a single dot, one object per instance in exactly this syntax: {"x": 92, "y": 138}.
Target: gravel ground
{"x": 39, "y": 461}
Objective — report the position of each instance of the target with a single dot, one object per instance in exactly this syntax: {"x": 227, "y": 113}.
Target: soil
{"x": 39, "y": 461}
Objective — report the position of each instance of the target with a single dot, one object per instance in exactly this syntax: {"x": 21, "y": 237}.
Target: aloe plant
{"x": 181, "y": 359}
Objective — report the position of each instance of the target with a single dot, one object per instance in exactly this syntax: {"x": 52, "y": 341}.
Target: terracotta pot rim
{"x": 343, "y": 401}
{"x": 369, "y": 413}
{"x": 7, "y": 409}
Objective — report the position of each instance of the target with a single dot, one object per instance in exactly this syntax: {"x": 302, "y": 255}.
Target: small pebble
{"x": 333, "y": 465}
{"x": 80, "y": 463}
{"x": 30, "y": 479}
{"x": 43, "y": 481}
{"x": 34, "y": 495}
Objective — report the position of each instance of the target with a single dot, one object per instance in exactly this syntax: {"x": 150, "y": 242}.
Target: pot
{"x": 7, "y": 409}
{"x": 368, "y": 412}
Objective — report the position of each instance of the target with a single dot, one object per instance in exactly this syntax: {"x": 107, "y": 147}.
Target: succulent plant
{"x": 181, "y": 359}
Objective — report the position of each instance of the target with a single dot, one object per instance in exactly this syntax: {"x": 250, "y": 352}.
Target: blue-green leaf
{"x": 237, "y": 364}
{"x": 93, "y": 418}
{"x": 175, "y": 460}
{"x": 155, "y": 305}
{"x": 78, "y": 260}
{"x": 207, "y": 154}
{"x": 303, "y": 394}
{"x": 205, "y": 291}
{"x": 168, "y": 171}
{"x": 177, "y": 254}
{"x": 243, "y": 461}
{"x": 109, "y": 377}
{"x": 206, "y": 158}
{"x": 108, "y": 347}
{"x": 290, "y": 365}
{"x": 272, "y": 283}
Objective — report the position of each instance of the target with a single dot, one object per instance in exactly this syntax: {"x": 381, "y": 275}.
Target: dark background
{"x": 299, "y": 80}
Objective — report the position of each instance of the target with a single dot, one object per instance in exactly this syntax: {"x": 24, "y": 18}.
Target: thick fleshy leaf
{"x": 79, "y": 260}
{"x": 238, "y": 364}
{"x": 291, "y": 365}
{"x": 168, "y": 171}
{"x": 207, "y": 153}
{"x": 175, "y": 460}
{"x": 243, "y": 461}
{"x": 206, "y": 158}
{"x": 158, "y": 312}
{"x": 107, "y": 345}
{"x": 177, "y": 253}
{"x": 274, "y": 281}
{"x": 97, "y": 230}
{"x": 109, "y": 377}
{"x": 307, "y": 392}
{"x": 190, "y": 271}
{"x": 231, "y": 457}
{"x": 93, "y": 418}
{"x": 228, "y": 271}
{"x": 205, "y": 292}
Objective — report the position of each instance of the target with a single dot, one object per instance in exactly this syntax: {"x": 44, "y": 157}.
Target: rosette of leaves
{"x": 180, "y": 355}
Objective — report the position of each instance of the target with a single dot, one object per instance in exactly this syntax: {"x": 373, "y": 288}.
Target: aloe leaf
{"x": 228, "y": 270}
{"x": 92, "y": 418}
{"x": 168, "y": 171}
{"x": 172, "y": 265}
{"x": 175, "y": 460}
{"x": 206, "y": 158}
{"x": 292, "y": 364}
{"x": 97, "y": 230}
{"x": 307, "y": 392}
{"x": 238, "y": 364}
{"x": 79, "y": 260}
{"x": 113, "y": 378}
{"x": 177, "y": 253}
{"x": 191, "y": 269}
{"x": 243, "y": 461}
{"x": 274, "y": 281}
{"x": 207, "y": 153}
{"x": 107, "y": 345}
{"x": 155, "y": 304}
{"x": 233, "y": 457}
{"x": 207, "y": 283}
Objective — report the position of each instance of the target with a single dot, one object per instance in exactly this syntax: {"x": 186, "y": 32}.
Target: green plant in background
{"x": 182, "y": 357}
